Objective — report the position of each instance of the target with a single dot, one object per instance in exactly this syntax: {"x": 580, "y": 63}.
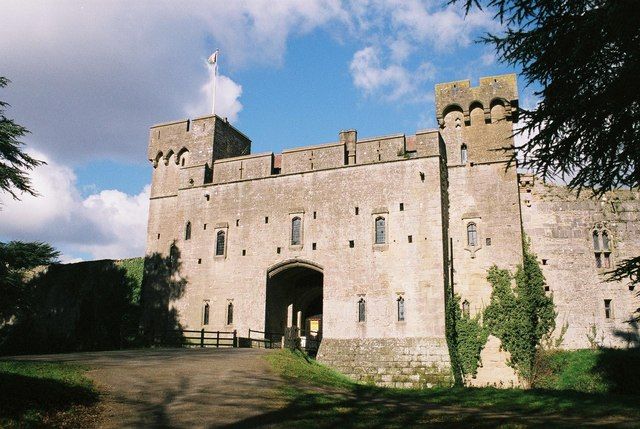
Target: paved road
{"x": 179, "y": 388}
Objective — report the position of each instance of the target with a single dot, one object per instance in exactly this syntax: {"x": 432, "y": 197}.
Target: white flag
{"x": 213, "y": 59}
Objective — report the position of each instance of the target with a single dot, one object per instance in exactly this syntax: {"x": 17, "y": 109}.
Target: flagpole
{"x": 213, "y": 60}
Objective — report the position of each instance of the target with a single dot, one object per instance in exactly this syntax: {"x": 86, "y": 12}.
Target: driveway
{"x": 179, "y": 388}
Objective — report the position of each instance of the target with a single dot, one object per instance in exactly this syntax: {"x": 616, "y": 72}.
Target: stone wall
{"x": 390, "y": 362}
{"x": 560, "y": 225}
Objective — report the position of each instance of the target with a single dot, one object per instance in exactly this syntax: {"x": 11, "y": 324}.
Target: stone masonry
{"x": 361, "y": 237}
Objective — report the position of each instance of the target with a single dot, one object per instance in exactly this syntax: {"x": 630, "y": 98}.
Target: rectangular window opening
{"x": 266, "y": 219}
{"x": 546, "y": 288}
{"x": 158, "y": 236}
{"x": 314, "y": 215}
{"x": 357, "y": 211}
{"x": 207, "y": 197}
{"x": 401, "y": 207}
{"x": 237, "y": 222}
{"x": 244, "y": 252}
{"x": 205, "y": 226}
{"x": 410, "y": 239}
{"x": 351, "y": 244}
{"x": 278, "y": 250}
{"x": 313, "y": 246}
{"x": 545, "y": 261}
{"x": 199, "y": 261}
{"x": 598, "y": 260}
{"x": 488, "y": 241}
{"x": 607, "y": 309}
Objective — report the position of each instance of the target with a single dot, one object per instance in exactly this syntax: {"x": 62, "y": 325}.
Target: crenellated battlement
{"x": 460, "y": 95}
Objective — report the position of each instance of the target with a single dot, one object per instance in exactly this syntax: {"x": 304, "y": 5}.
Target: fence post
{"x": 217, "y": 339}
{"x": 235, "y": 338}
{"x": 202, "y": 338}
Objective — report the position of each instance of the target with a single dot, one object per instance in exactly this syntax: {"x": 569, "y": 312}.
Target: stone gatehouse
{"x": 359, "y": 238}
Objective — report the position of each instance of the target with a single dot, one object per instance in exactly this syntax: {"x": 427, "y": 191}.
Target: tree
{"x": 14, "y": 162}
{"x": 16, "y": 259}
{"x": 584, "y": 55}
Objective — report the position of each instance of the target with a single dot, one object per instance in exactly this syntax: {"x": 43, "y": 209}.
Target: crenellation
{"x": 319, "y": 236}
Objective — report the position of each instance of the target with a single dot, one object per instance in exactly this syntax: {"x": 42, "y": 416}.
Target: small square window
{"x": 410, "y": 239}
{"x": 546, "y": 288}
{"x": 314, "y": 215}
{"x": 351, "y": 244}
{"x": 357, "y": 211}
{"x": 205, "y": 226}
{"x": 401, "y": 207}
{"x": 278, "y": 250}
{"x": 545, "y": 261}
{"x": 244, "y": 252}
{"x": 266, "y": 219}
{"x": 488, "y": 241}
{"x": 199, "y": 261}
{"x": 313, "y": 246}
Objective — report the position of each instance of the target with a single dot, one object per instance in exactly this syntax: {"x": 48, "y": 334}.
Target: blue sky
{"x": 89, "y": 78}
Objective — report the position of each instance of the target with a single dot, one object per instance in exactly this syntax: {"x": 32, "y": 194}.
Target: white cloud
{"x": 392, "y": 82}
{"x": 228, "y": 102}
{"x": 109, "y": 224}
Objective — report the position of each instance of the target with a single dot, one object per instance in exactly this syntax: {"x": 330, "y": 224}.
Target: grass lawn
{"x": 320, "y": 397}
{"x": 40, "y": 394}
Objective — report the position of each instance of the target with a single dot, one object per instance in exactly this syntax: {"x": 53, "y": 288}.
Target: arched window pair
{"x": 381, "y": 230}
{"x": 602, "y": 247}
{"x": 472, "y": 235}
{"x": 220, "y": 237}
{"x": 296, "y": 231}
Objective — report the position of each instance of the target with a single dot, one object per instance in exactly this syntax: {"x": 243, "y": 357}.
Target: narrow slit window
{"x": 463, "y": 154}
{"x": 357, "y": 211}
{"x": 352, "y": 244}
{"x": 187, "y": 231}
{"x": 608, "y": 310}
{"x": 205, "y": 314}
{"x": 598, "y": 260}
{"x": 380, "y": 231}
{"x": 472, "y": 235}
{"x": 400, "y": 302}
{"x": 230, "y": 313}
{"x": 220, "y": 237}
{"x": 173, "y": 257}
{"x": 361, "y": 310}
{"x": 296, "y": 226}
{"x": 596, "y": 241}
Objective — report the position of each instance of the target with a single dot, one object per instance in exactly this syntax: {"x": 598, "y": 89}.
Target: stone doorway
{"x": 294, "y": 300}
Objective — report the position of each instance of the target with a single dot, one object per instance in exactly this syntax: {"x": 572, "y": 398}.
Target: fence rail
{"x": 202, "y": 338}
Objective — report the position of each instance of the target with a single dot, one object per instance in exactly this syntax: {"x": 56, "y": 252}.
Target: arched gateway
{"x": 294, "y": 298}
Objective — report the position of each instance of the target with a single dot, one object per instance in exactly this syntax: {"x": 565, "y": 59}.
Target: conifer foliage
{"x": 14, "y": 162}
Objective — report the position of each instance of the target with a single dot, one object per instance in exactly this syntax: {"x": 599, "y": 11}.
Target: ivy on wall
{"x": 522, "y": 315}
{"x": 519, "y": 316}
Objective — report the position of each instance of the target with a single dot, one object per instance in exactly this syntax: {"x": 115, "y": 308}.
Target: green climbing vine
{"x": 471, "y": 338}
{"x": 522, "y": 315}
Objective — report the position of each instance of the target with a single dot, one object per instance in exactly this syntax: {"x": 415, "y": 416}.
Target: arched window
{"x": 220, "y": 243}
{"x": 230, "y": 313}
{"x": 173, "y": 257}
{"x": 361, "y": 310}
{"x": 472, "y": 235}
{"x": 187, "y": 231}
{"x": 400, "y": 302}
{"x": 596, "y": 241}
{"x": 605, "y": 241}
{"x": 205, "y": 314}
{"x": 463, "y": 154}
{"x": 296, "y": 226}
{"x": 466, "y": 310}
{"x": 381, "y": 236}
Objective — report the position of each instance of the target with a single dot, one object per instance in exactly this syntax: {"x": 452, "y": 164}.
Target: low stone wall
{"x": 390, "y": 362}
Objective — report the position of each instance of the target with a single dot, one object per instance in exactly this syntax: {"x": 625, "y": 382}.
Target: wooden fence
{"x": 202, "y": 338}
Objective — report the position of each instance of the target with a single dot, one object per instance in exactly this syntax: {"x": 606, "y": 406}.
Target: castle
{"x": 356, "y": 241}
